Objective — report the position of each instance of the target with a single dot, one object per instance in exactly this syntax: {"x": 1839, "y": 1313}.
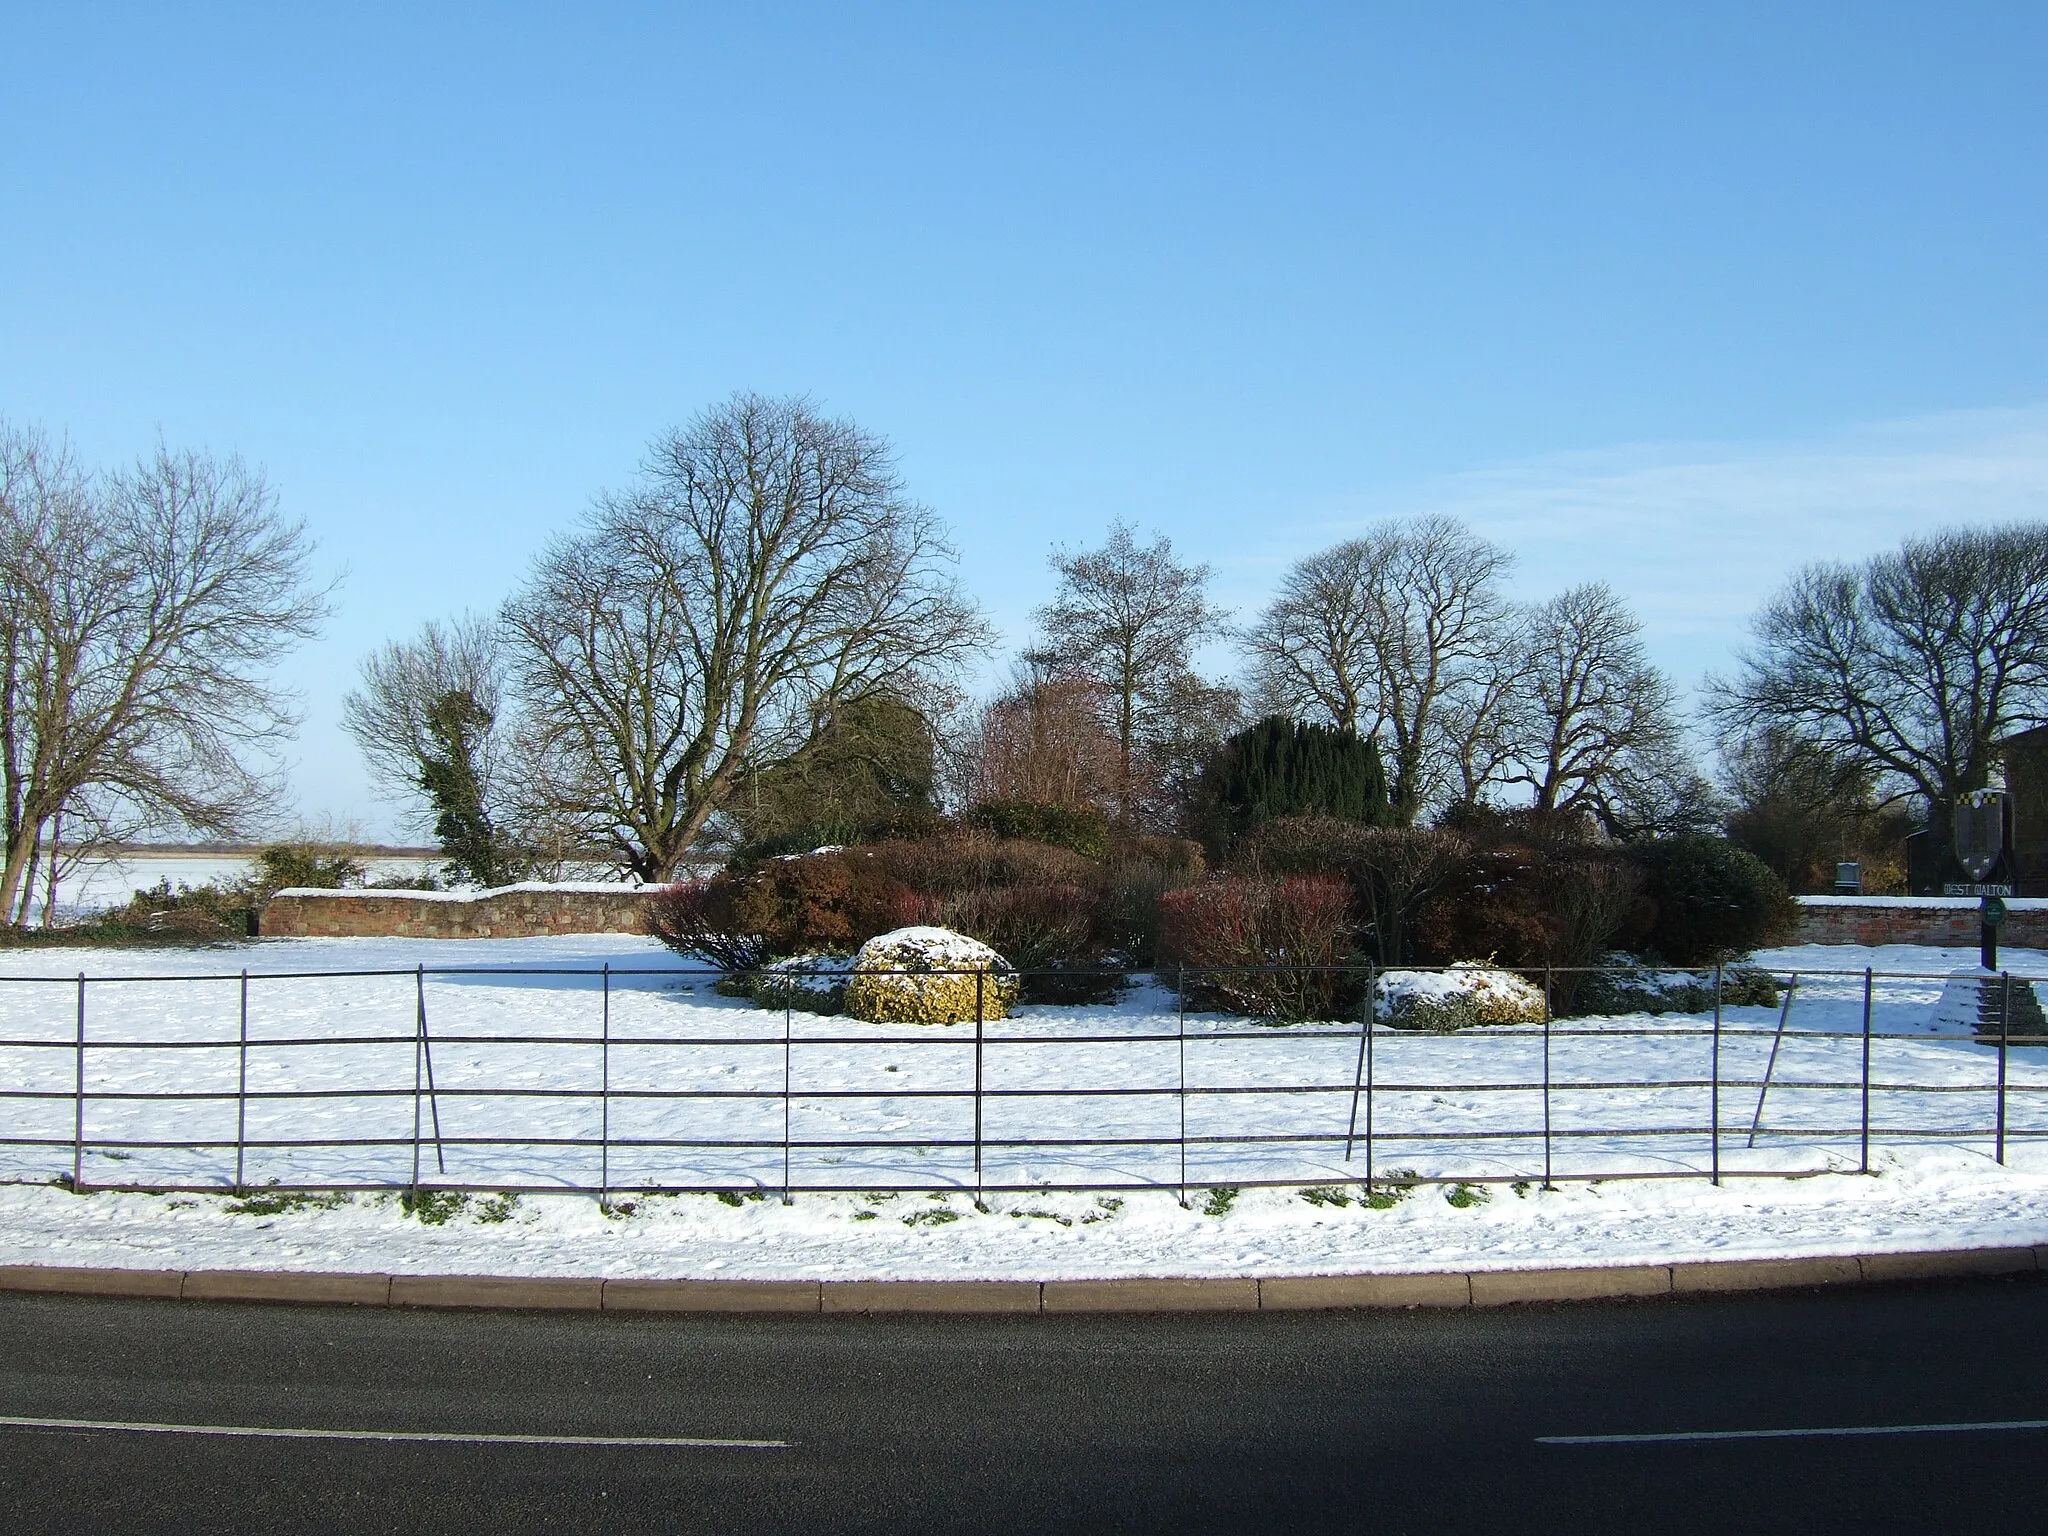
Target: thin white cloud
{"x": 1697, "y": 536}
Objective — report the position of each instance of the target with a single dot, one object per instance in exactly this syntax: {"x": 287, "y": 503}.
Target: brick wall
{"x": 515, "y": 912}
{"x": 1946, "y": 920}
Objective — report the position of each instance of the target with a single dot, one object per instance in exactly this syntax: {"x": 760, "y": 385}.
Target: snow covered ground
{"x": 886, "y": 1115}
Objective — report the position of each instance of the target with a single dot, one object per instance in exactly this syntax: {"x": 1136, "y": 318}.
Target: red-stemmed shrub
{"x": 946, "y": 866}
{"x": 1051, "y": 933}
{"x": 1222, "y": 932}
{"x": 822, "y": 901}
{"x": 696, "y": 917}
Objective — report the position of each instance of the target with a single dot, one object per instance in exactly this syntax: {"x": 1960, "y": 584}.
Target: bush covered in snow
{"x": 1470, "y": 993}
{"x": 929, "y": 976}
{"x": 1630, "y": 986}
{"x": 814, "y": 983}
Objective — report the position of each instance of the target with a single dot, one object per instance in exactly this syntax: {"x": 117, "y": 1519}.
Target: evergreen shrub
{"x": 1712, "y": 900}
{"x": 928, "y": 975}
{"x": 1281, "y": 767}
{"x": 1626, "y": 985}
{"x": 1080, "y": 828}
{"x": 1463, "y": 996}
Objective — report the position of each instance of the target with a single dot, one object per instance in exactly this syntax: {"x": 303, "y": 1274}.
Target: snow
{"x": 473, "y": 893}
{"x": 519, "y": 1018}
{"x": 924, "y": 945}
{"x": 1947, "y": 903}
{"x": 1407, "y": 997}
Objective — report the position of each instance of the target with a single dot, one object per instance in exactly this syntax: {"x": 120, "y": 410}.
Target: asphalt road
{"x": 1403, "y": 1422}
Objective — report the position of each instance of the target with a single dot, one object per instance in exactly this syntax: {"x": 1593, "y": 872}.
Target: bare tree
{"x": 1802, "y": 810}
{"x": 1910, "y": 666}
{"x": 429, "y": 717}
{"x": 1127, "y": 618}
{"x": 1437, "y": 616}
{"x": 1482, "y": 724}
{"x": 767, "y": 568}
{"x": 1043, "y": 742}
{"x": 1402, "y": 634}
{"x": 1592, "y": 714}
{"x": 1311, "y": 654}
{"x": 142, "y": 613}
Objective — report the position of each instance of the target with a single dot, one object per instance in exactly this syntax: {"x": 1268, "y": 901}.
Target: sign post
{"x": 1980, "y": 840}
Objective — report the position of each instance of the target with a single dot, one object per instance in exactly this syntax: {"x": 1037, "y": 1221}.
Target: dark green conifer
{"x": 1281, "y": 767}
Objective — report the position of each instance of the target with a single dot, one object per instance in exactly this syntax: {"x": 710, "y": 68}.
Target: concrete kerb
{"x": 932, "y": 1296}
{"x": 1484, "y": 1288}
{"x": 1151, "y": 1295}
{"x": 1764, "y": 1274}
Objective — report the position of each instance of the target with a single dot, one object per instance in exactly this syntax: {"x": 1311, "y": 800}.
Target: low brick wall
{"x": 1950, "y": 921}
{"x": 535, "y": 911}
{"x": 513, "y": 912}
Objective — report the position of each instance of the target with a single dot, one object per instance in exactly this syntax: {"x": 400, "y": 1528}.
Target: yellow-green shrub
{"x": 928, "y": 976}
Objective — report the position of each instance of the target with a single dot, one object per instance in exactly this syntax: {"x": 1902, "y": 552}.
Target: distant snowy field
{"x": 102, "y": 883}
{"x": 681, "y": 1059}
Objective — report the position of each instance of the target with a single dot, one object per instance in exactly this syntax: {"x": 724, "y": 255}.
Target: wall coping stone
{"x": 1940, "y": 903}
{"x": 480, "y": 893}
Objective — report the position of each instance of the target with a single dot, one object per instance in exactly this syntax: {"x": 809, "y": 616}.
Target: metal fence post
{"x": 604, "y": 1097}
{"x": 1714, "y": 1092}
{"x": 1181, "y": 1057}
{"x": 427, "y": 1056}
{"x": 1358, "y": 1070}
{"x": 979, "y": 1023}
{"x": 1771, "y": 1066}
{"x": 1546, "y": 1074}
{"x": 418, "y": 1080}
{"x": 1863, "y": 1165}
{"x": 2004, "y": 1039}
{"x": 1372, "y": 1019}
{"x": 242, "y": 1091}
{"x": 78, "y": 1100}
{"x": 787, "y": 1197}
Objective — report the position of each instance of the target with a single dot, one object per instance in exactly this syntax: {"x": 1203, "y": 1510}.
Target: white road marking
{"x": 1794, "y": 1434}
{"x": 442, "y": 1437}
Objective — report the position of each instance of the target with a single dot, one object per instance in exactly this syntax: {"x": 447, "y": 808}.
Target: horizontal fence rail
{"x": 644, "y": 1079}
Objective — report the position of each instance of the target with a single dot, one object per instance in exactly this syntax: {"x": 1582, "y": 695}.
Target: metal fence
{"x": 616, "y": 1079}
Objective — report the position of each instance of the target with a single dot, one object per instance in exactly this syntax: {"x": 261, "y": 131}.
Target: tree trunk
{"x": 21, "y": 851}
{"x": 56, "y": 847}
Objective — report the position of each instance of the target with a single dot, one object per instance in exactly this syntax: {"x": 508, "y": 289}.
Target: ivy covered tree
{"x": 866, "y": 764}
{"x": 429, "y": 716}
{"x": 1281, "y": 767}
{"x": 457, "y": 725}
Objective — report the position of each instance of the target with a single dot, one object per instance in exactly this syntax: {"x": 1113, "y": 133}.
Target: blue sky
{"x": 1674, "y": 297}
